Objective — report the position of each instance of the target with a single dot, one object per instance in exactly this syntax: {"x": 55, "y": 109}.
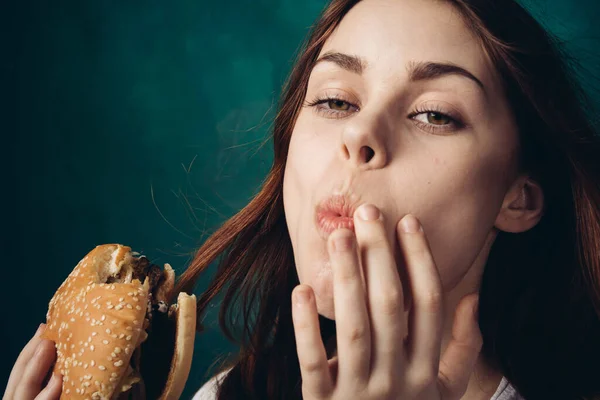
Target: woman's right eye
{"x": 332, "y": 106}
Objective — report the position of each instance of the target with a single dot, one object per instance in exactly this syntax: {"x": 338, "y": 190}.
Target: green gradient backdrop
{"x": 141, "y": 122}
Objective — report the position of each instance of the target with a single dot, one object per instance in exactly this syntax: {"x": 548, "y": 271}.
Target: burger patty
{"x": 151, "y": 359}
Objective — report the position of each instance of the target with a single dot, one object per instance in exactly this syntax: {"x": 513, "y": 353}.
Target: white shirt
{"x": 208, "y": 391}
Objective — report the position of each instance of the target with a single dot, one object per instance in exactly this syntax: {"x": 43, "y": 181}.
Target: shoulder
{"x": 208, "y": 391}
{"x": 506, "y": 392}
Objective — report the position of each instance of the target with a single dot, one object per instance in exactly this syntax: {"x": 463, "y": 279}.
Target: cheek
{"x": 305, "y": 166}
{"x": 464, "y": 197}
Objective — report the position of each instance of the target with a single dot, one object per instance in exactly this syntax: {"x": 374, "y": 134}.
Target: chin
{"x": 322, "y": 284}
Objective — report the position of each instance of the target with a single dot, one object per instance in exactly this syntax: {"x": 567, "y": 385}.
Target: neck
{"x": 484, "y": 379}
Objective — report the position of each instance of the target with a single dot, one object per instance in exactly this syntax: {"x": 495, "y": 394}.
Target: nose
{"x": 363, "y": 143}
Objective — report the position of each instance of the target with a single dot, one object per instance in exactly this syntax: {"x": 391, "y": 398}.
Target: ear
{"x": 523, "y": 206}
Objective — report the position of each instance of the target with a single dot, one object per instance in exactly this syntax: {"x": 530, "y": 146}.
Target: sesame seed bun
{"x": 100, "y": 316}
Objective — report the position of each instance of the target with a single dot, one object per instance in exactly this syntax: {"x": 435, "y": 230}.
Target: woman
{"x": 425, "y": 152}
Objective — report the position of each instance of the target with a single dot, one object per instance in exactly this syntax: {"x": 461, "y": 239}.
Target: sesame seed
{"x": 121, "y": 299}
{"x": 103, "y": 317}
{"x": 72, "y": 319}
{"x": 92, "y": 347}
{"x": 128, "y": 337}
{"x": 108, "y": 331}
{"x": 114, "y": 321}
{"x": 109, "y": 358}
{"x": 113, "y": 355}
{"x": 101, "y": 367}
{"x": 137, "y": 307}
{"x": 105, "y": 341}
{"x": 93, "y": 363}
{"x": 129, "y": 306}
{"x": 121, "y": 336}
{"x": 118, "y": 363}
{"x": 117, "y": 350}
{"x": 119, "y": 307}
{"x": 110, "y": 307}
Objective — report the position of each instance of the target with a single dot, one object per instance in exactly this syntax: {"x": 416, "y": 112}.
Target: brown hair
{"x": 539, "y": 306}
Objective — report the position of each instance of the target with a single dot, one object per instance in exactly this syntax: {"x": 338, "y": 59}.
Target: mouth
{"x": 333, "y": 213}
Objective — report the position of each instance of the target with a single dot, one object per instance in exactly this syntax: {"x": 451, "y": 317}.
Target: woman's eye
{"x": 339, "y": 105}
{"x": 332, "y": 107}
{"x": 433, "y": 118}
{"x": 436, "y": 122}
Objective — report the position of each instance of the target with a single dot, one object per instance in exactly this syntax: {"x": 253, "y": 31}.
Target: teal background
{"x": 144, "y": 123}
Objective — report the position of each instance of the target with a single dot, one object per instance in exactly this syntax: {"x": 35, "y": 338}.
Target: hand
{"x": 30, "y": 370}
{"x": 381, "y": 353}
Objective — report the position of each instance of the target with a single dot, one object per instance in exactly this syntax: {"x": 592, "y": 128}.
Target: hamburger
{"x": 116, "y": 335}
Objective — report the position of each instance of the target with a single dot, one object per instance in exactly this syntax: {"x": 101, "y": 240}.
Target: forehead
{"x": 390, "y": 34}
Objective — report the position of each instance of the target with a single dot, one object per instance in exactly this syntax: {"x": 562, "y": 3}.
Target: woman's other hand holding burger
{"x": 29, "y": 376}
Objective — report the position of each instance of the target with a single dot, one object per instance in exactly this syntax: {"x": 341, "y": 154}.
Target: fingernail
{"x": 40, "y": 329}
{"x": 301, "y": 296}
{"x": 368, "y": 212}
{"x": 343, "y": 243}
{"x": 410, "y": 224}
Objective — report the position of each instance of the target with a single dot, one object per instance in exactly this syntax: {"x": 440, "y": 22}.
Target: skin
{"x": 460, "y": 181}
{"x": 27, "y": 377}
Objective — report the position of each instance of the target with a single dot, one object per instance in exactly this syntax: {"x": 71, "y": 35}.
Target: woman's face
{"x": 420, "y": 127}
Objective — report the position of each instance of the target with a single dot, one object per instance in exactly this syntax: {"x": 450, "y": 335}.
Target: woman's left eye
{"x": 435, "y": 121}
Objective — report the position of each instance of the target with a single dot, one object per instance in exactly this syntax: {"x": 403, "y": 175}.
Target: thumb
{"x": 462, "y": 352}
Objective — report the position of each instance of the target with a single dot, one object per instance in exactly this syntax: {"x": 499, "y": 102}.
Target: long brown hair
{"x": 539, "y": 306}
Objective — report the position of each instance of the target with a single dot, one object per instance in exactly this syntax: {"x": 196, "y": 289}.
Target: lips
{"x": 333, "y": 213}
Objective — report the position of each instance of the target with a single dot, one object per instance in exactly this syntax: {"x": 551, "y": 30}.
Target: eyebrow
{"x": 417, "y": 70}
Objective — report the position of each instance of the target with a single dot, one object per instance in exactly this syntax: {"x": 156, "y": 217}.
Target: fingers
{"x": 37, "y": 368}
{"x": 53, "y": 390}
{"x": 463, "y": 350}
{"x": 384, "y": 291}
{"x": 426, "y": 288}
{"x": 353, "y": 330}
{"x": 314, "y": 368}
{"x": 21, "y": 363}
